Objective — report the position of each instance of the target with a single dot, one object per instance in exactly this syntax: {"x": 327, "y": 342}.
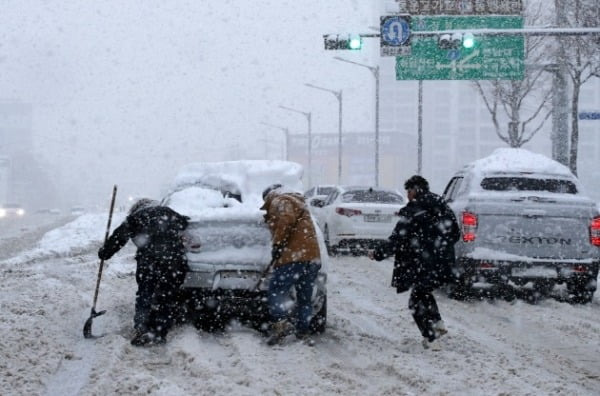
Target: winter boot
{"x": 147, "y": 339}
{"x": 279, "y": 330}
{"x": 439, "y": 328}
{"x": 306, "y": 339}
{"x": 434, "y": 344}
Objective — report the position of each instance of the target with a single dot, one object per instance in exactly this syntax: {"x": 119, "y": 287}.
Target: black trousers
{"x": 158, "y": 290}
{"x": 425, "y": 310}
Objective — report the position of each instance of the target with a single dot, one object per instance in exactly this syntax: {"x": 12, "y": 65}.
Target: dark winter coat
{"x": 156, "y": 231}
{"x": 423, "y": 243}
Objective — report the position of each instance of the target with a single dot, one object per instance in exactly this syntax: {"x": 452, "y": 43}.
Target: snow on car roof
{"x": 246, "y": 177}
{"x": 517, "y": 160}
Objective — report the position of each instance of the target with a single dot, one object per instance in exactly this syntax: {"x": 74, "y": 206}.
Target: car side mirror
{"x": 318, "y": 203}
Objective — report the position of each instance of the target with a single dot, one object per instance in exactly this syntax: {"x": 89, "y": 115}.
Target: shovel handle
{"x": 110, "y": 214}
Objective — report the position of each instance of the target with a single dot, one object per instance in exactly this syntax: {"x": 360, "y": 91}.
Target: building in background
{"x": 358, "y": 160}
{"x": 22, "y": 179}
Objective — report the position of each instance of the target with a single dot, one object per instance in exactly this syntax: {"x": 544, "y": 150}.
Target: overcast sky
{"x": 128, "y": 91}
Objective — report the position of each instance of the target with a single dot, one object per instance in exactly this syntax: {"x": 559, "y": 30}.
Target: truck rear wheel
{"x": 581, "y": 289}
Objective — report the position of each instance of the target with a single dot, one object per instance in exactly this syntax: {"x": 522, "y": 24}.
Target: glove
{"x": 103, "y": 254}
{"x": 276, "y": 251}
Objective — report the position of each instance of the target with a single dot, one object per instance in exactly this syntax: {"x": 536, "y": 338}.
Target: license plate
{"x": 239, "y": 275}
{"x": 376, "y": 218}
{"x": 535, "y": 272}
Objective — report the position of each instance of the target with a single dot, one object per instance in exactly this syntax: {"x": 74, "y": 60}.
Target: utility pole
{"x": 308, "y": 116}
{"x": 560, "y": 113}
{"x": 338, "y": 95}
{"x": 286, "y": 134}
{"x": 375, "y": 71}
{"x": 420, "y": 130}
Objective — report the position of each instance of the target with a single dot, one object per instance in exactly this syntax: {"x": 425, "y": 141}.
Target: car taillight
{"x": 469, "y": 225}
{"x": 347, "y": 212}
{"x": 595, "y": 231}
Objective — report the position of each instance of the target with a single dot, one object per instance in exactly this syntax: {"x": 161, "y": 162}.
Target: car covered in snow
{"x": 356, "y": 218}
{"x": 526, "y": 222}
{"x": 229, "y": 244}
{"x": 317, "y": 192}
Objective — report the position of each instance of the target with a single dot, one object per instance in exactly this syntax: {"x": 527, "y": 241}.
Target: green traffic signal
{"x": 468, "y": 40}
{"x": 355, "y": 43}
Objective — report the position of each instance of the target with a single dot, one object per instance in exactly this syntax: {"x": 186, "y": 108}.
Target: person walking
{"x": 161, "y": 265}
{"x": 296, "y": 261}
{"x": 423, "y": 243}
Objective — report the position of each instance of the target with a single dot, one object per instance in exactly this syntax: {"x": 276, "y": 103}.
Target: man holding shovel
{"x": 161, "y": 265}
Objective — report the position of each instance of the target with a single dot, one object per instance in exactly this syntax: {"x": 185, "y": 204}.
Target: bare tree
{"x": 524, "y": 103}
{"x": 581, "y": 56}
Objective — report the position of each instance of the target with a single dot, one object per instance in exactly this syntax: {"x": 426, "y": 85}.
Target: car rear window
{"x": 387, "y": 197}
{"x": 528, "y": 184}
{"x": 325, "y": 190}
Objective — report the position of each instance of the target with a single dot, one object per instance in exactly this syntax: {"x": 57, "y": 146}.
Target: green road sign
{"x": 485, "y": 58}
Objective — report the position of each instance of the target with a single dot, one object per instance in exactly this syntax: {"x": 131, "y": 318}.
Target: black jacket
{"x": 423, "y": 243}
{"x": 156, "y": 231}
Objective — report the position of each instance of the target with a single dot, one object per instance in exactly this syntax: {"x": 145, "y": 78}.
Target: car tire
{"x": 318, "y": 323}
{"x": 579, "y": 290}
{"x": 460, "y": 289}
{"x": 331, "y": 250}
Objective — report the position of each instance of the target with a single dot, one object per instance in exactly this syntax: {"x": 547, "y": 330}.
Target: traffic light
{"x": 343, "y": 42}
{"x": 468, "y": 40}
{"x": 456, "y": 40}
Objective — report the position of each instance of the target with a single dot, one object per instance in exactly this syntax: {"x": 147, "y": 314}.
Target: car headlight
{"x": 2, "y": 212}
{"x": 20, "y": 212}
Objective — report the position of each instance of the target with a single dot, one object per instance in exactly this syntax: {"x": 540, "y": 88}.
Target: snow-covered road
{"x": 371, "y": 346}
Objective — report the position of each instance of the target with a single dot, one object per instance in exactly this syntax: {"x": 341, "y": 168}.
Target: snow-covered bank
{"x": 371, "y": 347}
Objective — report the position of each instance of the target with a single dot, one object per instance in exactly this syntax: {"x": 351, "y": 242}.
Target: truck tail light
{"x": 595, "y": 231}
{"x": 348, "y": 212}
{"x": 469, "y": 225}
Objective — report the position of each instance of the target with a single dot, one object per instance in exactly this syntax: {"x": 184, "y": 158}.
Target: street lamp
{"x": 286, "y": 133}
{"x": 338, "y": 95}
{"x": 375, "y": 71}
{"x": 308, "y": 116}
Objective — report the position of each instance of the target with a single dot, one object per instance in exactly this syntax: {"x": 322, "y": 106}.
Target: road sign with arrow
{"x": 486, "y": 58}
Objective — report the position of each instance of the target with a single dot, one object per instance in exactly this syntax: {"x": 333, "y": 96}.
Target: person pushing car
{"x": 296, "y": 260}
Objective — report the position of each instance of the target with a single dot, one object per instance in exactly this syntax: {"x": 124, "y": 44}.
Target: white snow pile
{"x": 248, "y": 177}
{"x": 518, "y": 160}
{"x": 82, "y": 235}
{"x": 200, "y": 189}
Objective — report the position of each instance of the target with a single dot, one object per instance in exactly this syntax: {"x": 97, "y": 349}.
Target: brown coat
{"x": 290, "y": 223}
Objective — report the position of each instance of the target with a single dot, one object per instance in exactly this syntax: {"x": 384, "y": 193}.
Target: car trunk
{"x": 228, "y": 253}
{"x": 554, "y": 227}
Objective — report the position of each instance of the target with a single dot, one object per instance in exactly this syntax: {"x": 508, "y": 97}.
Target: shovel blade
{"x": 87, "y": 326}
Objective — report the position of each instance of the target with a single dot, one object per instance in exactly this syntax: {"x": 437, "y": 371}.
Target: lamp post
{"x": 308, "y": 116}
{"x": 338, "y": 95}
{"x": 375, "y": 71}
{"x": 286, "y": 133}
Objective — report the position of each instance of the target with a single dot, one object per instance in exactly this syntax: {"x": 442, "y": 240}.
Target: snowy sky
{"x": 126, "y": 92}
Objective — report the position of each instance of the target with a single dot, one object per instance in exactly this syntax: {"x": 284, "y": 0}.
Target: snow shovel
{"x": 263, "y": 275}
{"x": 87, "y": 327}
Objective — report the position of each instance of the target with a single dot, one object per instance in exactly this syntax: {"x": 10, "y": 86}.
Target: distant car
{"x": 524, "y": 220}
{"x": 11, "y": 210}
{"x": 77, "y": 210}
{"x": 318, "y": 192}
{"x": 356, "y": 218}
{"x": 228, "y": 243}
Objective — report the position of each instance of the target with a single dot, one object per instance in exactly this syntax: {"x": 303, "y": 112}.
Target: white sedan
{"x": 356, "y": 218}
